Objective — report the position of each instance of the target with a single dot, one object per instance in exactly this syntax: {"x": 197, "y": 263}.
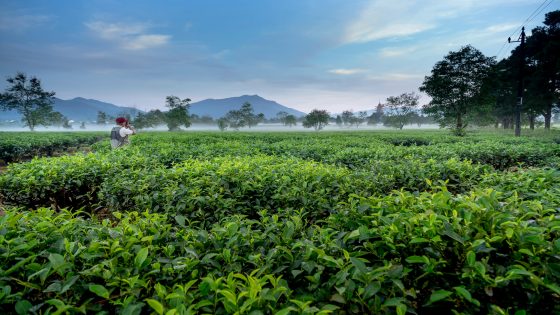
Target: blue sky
{"x": 326, "y": 54}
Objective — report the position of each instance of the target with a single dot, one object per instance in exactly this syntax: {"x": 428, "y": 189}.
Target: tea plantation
{"x": 286, "y": 223}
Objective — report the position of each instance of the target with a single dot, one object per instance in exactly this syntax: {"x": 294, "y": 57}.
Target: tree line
{"x": 466, "y": 88}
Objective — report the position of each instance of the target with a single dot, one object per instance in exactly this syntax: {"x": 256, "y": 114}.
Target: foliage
{"x": 278, "y": 223}
{"x": 21, "y": 146}
{"x": 316, "y": 119}
{"x": 178, "y": 114}
{"x": 244, "y": 117}
{"x": 150, "y": 119}
{"x": 30, "y": 100}
{"x": 455, "y": 86}
{"x": 287, "y": 119}
{"x": 400, "y": 109}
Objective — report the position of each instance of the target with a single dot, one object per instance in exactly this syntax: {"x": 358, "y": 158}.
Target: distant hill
{"x": 217, "y": 108}
{"x": 79, "y": 109}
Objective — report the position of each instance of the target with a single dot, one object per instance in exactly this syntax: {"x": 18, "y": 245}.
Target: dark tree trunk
{"x": 548, "y": 117}
{"x": 531, "y": 121}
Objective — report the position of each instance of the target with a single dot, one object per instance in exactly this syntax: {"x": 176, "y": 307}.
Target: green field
{"x": 415, "y": 222}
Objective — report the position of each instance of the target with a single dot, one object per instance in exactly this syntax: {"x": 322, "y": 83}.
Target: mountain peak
{"x": 217, "y": 108}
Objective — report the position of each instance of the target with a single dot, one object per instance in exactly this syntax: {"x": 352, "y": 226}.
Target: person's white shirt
{"x": 125, "y": 132}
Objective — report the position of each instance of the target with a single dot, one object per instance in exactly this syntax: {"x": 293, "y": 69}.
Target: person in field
{"x": 120, "y": 133}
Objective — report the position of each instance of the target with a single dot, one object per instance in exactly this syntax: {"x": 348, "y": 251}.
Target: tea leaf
{"x": 439, "y": 295}
{"x": 99, "y": 290}
{"x": 156, "y": 305}
{"x": 141, "y": 257}
{"x": 23, "y": 306}
{"x": 417, "y": 260}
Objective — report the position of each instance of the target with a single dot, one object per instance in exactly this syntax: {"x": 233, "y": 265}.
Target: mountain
{"x": 217, "y": 108}
{"x": 79, "y": 109}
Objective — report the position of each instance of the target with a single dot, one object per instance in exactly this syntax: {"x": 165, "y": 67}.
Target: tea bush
{"x": 286, "y": 223}
{"x": 20, "y": 146}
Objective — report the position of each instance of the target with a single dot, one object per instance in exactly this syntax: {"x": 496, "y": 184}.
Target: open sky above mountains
{"x": 305, "y": 54}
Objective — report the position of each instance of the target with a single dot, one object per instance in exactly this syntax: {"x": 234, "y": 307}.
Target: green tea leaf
{"x": 439, "y": 295}
{"x": 56, "y": 260}
{"x": 156, "y": 305}
{"x": 471, "y": 258}
{"x": 141, "y": 257}
{"x": 417, "y": 260}
{"x": 23, "y": 306}
{"x": 99, "y": 290}
{"x": 180, "y": 219}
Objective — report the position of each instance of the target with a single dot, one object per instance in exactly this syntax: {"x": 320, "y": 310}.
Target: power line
{"x": 539, "y": 12}
{"x": 531, "y": 16}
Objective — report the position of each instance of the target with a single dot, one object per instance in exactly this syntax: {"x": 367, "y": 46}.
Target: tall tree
{"x": 400, "y": 109}
{"x": 102, "y": 118}
{"x": 455, "y": 86}
{"x": 376, "y": 117}
{"x": 248, "y": 115}
{"x": 542, "y": 67}
{"x": 290, "y": 121}
{"x": 29, "y": 99}
{"x": 178, "y": 114}
{"x": 151, "y": 119}
{"x": 235, "y": 119}
{"x": 347, "y": 117}
{"x": 317, "y": 119}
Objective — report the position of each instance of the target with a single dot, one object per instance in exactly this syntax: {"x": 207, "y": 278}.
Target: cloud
{"x": 500, "y": 28}
{"x": 388, "y": 19}
{"x": 381, "y": 19}
{"x": 346, "y": 71}
{"x": 128, "y": 36}
{"x": 390, "y": 52}
{"x": 396, "y": 76}
{"x": 18, "y": 23}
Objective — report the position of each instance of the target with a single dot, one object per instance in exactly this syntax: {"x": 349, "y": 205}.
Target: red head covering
{"x": 120, "y": 120}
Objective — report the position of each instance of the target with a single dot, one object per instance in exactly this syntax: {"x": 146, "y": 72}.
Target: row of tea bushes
{"x": 129, "y": 179}
{"x": 433, "y": 252}
{"x": 356, "y": 150}
{"x": 20, "y": 146}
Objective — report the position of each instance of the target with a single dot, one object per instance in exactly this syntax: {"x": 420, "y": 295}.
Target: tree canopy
{"x": 455, "y": 86}
{"x": 178, "y": 114}
{"x": 316, "y": 119}
{"x": 400, "y": 109}
{"x": 28, "y": 98}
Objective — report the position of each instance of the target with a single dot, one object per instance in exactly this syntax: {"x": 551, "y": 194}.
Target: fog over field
{"x": 204, "y": 127}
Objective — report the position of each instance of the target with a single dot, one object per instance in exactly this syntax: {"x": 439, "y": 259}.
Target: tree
{"x": 455, "y": 86}
{"x": 243, "y": 117}
{"x": 290, "y": 121}
{"x": 286, "y": 119}
{"x": 361, "y": 118}
{"x": 102, "y": 118}
{"x": 376, "y": 117}
{"x": 235, "y": 119}
{"x": 347, "y": 117}
{"x": 316, "y": 119}
{"x": 178, "y": 114}
{"x": 401, "y": 109}
{"x": 150, "y": 119}
{"x": 338, "y": 121}
{"x": 542, "y": 69}
{"x": 223, "y": 124}
{"x": 29, "y": 99}
{"x": 250, "y": 118}
{"x": 281, "y": 116}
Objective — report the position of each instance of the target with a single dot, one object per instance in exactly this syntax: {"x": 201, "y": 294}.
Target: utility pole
{"x": 520, "y": 84}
